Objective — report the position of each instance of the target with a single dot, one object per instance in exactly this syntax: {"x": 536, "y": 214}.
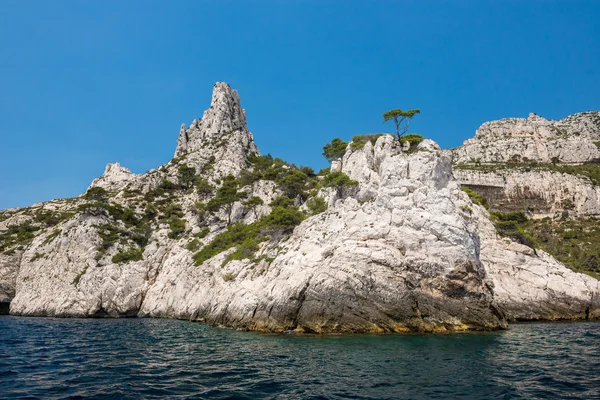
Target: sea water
{"x": 49, "y": 358}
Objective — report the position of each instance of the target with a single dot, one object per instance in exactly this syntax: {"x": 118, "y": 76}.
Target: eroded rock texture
{"x": 403, "y": 249}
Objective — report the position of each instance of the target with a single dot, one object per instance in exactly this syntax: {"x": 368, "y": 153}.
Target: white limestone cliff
{"x": 403, "y": 250}
{"x": 540, "y": 192}
{"x": 570, "y": 140}
{"x": 115, "y": 177}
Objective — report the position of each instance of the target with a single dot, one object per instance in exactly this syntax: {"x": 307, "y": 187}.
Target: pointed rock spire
{"x": 225, "y": 116}
{"x": 114, "y": 177}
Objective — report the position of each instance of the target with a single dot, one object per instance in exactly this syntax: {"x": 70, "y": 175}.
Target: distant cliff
{"x": 547, "y": 170}
{"x": 386, "y": 243}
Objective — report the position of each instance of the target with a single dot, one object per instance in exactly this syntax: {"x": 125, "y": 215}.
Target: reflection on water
{"x": 150, "y": 358}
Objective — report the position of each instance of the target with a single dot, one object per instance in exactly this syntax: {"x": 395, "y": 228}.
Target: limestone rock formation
{"x": 548, "y": 171}
{"x": 397, "y": 247}
{"x": 223, "y": 126}
{"x": 570, "y": 140}
{"x": 540, "y": 192}
{"x": 115, "y": 177}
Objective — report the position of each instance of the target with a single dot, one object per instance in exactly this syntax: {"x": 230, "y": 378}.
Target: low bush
{"x": 243, "y": 236}
{"x": 359, "y": 141}
{"x": 126, "y": 255}
{"x": 413, "y": 139}
{"x": 334, "y": 149}
{"x": 510, "y": 225}
{"x": 316, "y": 205}
{"x": 96, "y": 194}
{"x": 476, "y": 197}
{"x": 177, "y": 226}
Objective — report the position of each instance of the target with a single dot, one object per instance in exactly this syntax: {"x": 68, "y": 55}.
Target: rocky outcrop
{"x": 115, "y": 177}
{"x": 540, "y": 192}
{"x": 403, "y": 249}
{"x": 403, "y": 260}
{"x": 530, "y": 284}
{"x": 570, "y": 140}
{"x": 221, "y": 133}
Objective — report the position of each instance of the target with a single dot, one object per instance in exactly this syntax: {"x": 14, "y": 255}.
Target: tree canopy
{"x": 401, "y": 119}
{"x": 227, "y": 194}
{"x": 335, "y": 149}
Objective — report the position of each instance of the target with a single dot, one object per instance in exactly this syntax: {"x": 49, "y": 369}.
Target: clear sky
{"x": 86, "y": 83}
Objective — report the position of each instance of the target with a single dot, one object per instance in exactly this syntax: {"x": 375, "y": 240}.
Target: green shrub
{"x": 172, "y": 211}
{"x": 316, "y": 205}
{"x": 131, "y": 254}
{"x": 52, "y": 236}
{"x": 36, "y": 256}
{"x": 324, "y": 171}
{"x": 308, "y": 171}
{"x": 359, "y": 141}
{"x": 338, "y": 180}
{"x": 517, "y": 216}
{"x": 51, "y": 218}
{"x": 245, "y": 250}
{"x": 253, "y": 202}
{"x": 284, "y": 218}
{"x": 293, "y": 183}
{"x": 226, "y": 196}
{"x": 413, "y": 139}
{"x": 96, "y": 194}
{"x": 17, "y": 235}
{"x": 187, "y": 176}
{"x": 510, "y": 225}
{"x": 203, "y": 233}
{"x": 228, "y": 277}
{"x": 335, "y": 149}
{"x": 177, "y": 226}
{"x": 475, "y": 197}
{"x": 249, "y": 177}
{"x": 193, "y": 245}
{"x": 281, "y": 219}
{"x": 204, "y": 188}
{"x": 79, "y": 275}
{"x": 282, "y": 201}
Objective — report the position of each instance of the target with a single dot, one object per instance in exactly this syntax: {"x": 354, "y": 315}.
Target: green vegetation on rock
{"x": 575, "y": 242}
{"x": 513, "y": 226}
{"x": 359, "y": 141}
{"x": 335, "y": 149}
{"x": 282, "y": 220}
{"x": 590, "y": 171}
{"x": 316, "y": 205}
{"x": 126, "y": 255}
{"x": 476, "y": 197}
{"x": 401, "y": 119}
{"x": 96, "y": 194}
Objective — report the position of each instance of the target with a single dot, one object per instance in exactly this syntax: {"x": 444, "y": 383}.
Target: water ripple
{"x": 43, "y": 358}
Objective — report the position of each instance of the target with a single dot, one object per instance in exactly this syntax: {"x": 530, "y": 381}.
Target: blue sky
{"x": 86, "y": 83}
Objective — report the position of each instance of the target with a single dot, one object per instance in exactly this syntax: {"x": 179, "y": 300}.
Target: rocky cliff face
{"x": 392, "y": 245}
{"x": 546, "y": 170}
{"x": 539, "y": 192}
{"x": 570, "y": 140}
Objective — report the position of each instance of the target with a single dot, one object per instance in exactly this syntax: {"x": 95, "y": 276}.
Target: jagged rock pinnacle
{"x": 114, "y": 177}
{"x": 225, "y": 116}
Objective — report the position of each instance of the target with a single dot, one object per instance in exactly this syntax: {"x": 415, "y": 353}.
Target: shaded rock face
{"x": 403, "y": 250}
{"x": 541, "y": 193}
{"x": 570, "y": 140}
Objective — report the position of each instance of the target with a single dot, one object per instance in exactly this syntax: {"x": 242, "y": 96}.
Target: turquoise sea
{"x": 47, "y": 358}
